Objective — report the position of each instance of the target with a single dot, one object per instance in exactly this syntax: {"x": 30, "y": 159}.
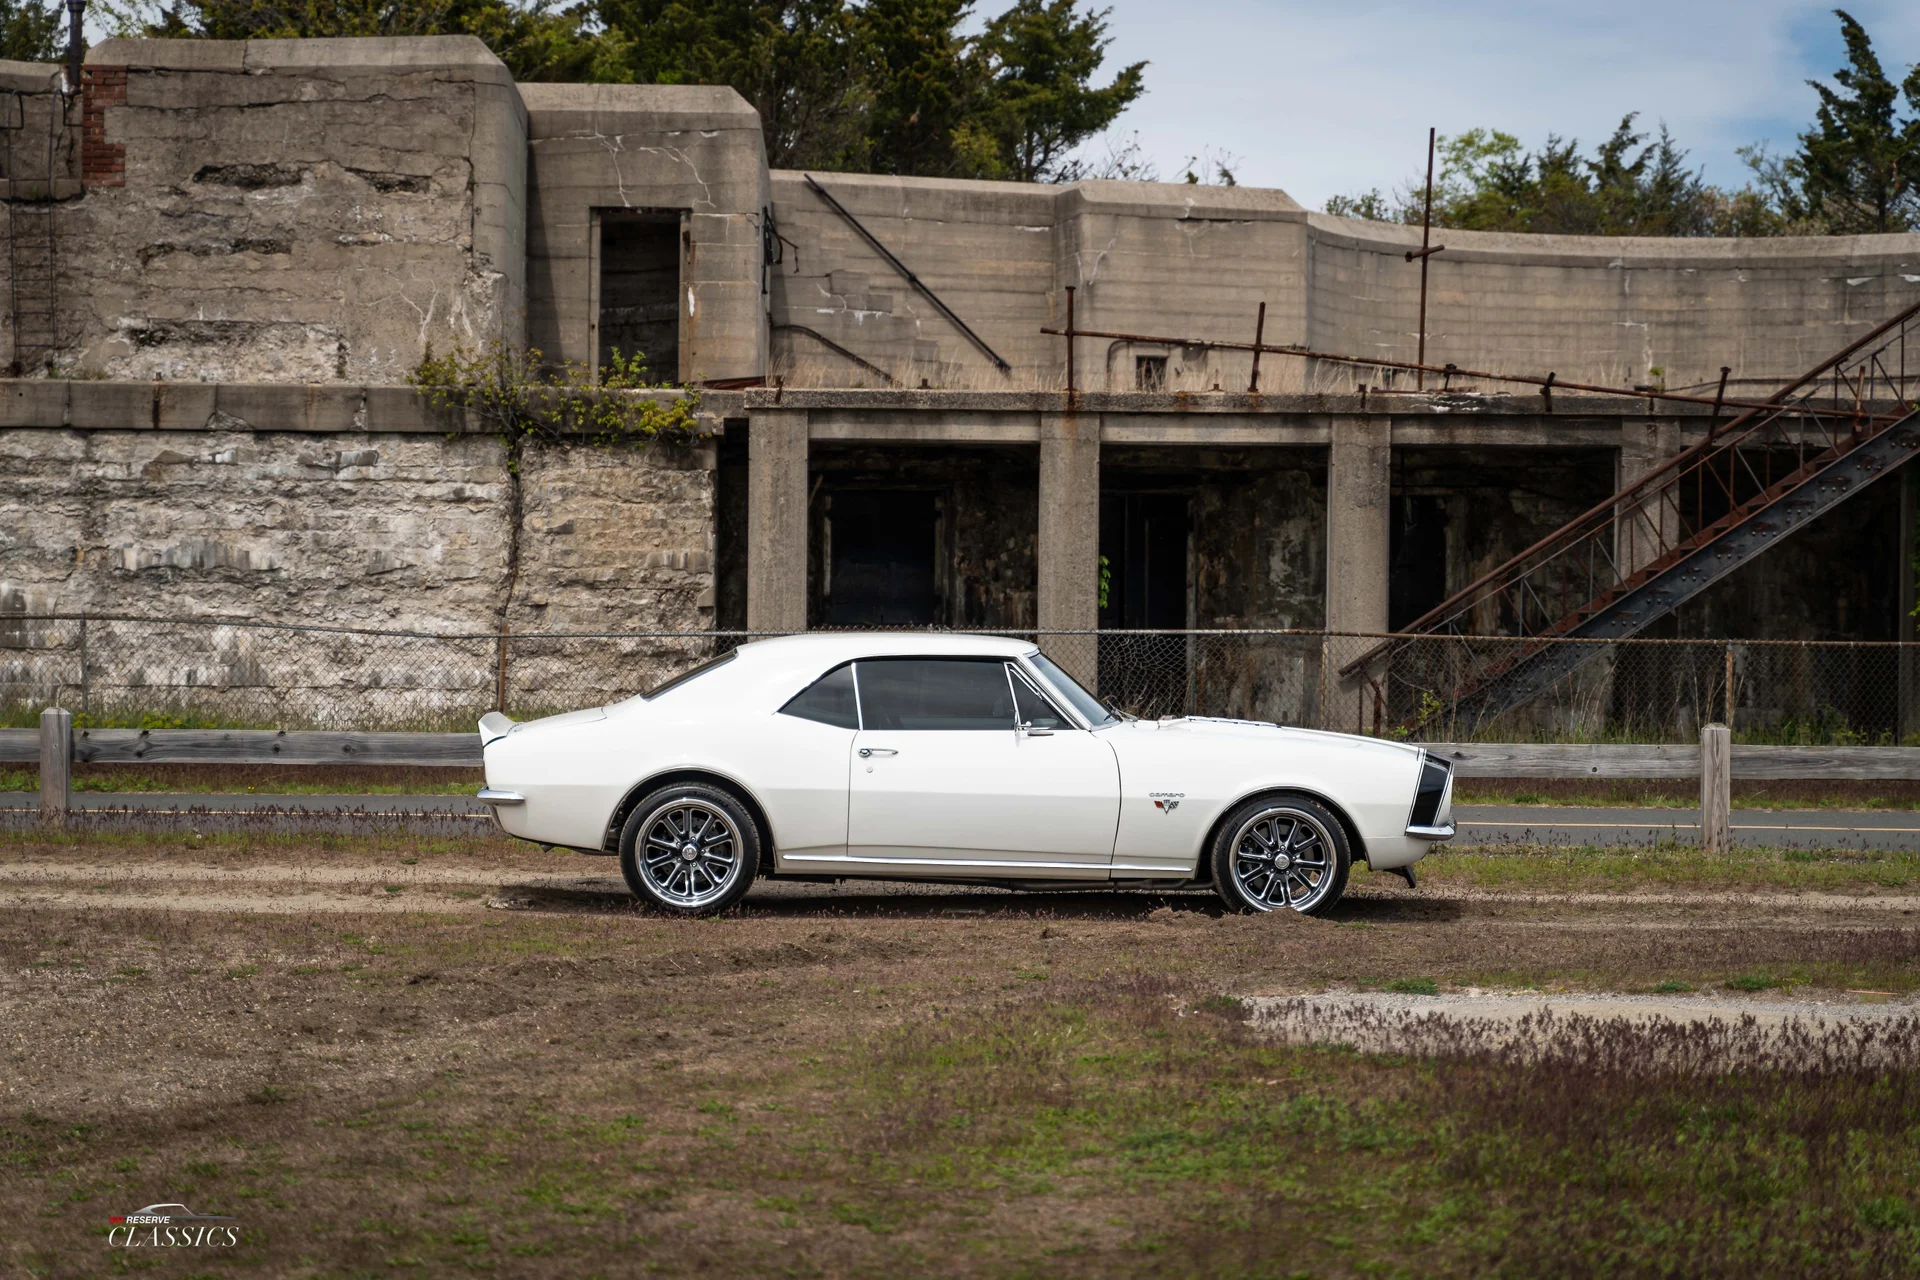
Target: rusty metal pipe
{"x": 1529, "y": 380}
{"x": 1259, "y": 334}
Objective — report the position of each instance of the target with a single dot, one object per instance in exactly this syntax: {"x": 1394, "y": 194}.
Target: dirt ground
{"x": 394, "y": 1055}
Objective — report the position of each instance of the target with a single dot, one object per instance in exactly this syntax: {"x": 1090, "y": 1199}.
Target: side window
{"x": 829, "y": 700}
{"x": 935, "y": 693}
{"x": 1033, "y": 709}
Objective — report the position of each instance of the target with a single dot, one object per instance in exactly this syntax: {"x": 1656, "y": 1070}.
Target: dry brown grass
{"x": 969, "y": 1083}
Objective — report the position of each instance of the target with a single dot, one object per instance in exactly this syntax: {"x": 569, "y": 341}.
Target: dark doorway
{"x": 1143, "y": 541}
{"x": 640, "y": 291}
{"x": 1143, "y": 537}
{"x": 1417, "y": 579}
{"x": 880, "y": 557}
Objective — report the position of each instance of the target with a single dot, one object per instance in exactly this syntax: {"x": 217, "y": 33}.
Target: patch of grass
{"x": 1671, "y": 987}
{"x": 1412, "y": 986}
{"x": 1756, "y": 981}
{"x": 1668, "y": 864}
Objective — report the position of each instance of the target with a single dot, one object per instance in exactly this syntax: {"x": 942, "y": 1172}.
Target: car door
{"x": 945, "y": 777}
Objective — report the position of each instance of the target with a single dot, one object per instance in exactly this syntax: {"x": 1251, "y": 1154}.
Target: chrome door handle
{"x": 868, "y": 753}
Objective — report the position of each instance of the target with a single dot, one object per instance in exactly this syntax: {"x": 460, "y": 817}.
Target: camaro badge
{"x": 1166, "y": 801}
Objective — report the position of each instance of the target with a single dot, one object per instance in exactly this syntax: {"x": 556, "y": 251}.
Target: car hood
{"x": 1265, "y": 731}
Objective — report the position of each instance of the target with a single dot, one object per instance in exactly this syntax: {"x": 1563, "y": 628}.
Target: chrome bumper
{"x": 487, "y": 795}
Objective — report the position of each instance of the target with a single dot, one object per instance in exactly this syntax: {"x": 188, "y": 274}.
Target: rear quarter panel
{"x": 574, "y": 776}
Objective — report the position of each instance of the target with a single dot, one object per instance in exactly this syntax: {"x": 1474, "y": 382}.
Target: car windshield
{"x": 1067, "y": 687}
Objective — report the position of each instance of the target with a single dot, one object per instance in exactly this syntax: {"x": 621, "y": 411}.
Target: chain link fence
{"x": 172, "y": 673}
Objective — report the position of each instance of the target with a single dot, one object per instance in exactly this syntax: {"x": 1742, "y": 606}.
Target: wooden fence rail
{"x": 1471, "y": 759}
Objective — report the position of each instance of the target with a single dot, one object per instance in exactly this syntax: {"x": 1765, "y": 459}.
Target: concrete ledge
{"x": 321, "y": 59}
{"x": 874, "y": 415}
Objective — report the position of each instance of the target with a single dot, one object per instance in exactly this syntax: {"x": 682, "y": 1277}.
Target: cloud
{"x": 1321, "y": 99}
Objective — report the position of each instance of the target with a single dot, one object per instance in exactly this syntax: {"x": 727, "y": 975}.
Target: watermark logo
{"x": 165, "y": 1226}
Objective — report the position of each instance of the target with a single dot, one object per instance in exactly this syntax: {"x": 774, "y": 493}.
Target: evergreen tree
{"x": 927, "y": 89}
{"x": 1858, "y": 169}
{"x": 1041, "y": 57}
{"x": 797, "y": 61}
{"x": 31, "y": 32}
{"x": 537, "y": 41}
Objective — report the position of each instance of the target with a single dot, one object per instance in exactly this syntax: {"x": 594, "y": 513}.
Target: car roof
{"x": 821, "y": 649}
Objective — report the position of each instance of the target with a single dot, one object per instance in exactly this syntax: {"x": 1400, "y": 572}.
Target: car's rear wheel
{"x": 1281, "y": 852}
{"x": 691, "y": 849}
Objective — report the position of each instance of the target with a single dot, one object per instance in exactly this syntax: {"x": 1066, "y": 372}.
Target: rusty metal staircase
{"x": 1661, "y": 540}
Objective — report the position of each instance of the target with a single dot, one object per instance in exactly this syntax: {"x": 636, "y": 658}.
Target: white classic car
{"x": 954, "y": 758}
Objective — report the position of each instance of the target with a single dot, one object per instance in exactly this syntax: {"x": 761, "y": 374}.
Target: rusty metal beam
{"x": 1308, "y": 353}
{"x": 906, "y": 274}
{"x": 838, "y": 350}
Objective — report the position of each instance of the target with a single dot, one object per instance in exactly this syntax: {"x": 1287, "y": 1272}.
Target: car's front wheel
{"x": 691, "y": 849}
{"x": 1281, "y": 852}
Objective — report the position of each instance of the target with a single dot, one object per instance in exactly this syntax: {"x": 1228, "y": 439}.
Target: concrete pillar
{"x": 1655, "y": 521}
{"x": 1068, "y": 586}
{"x": 1359, "y": 513}
{"x": 1359, "y": 557}
{"x": 777, "y": 520}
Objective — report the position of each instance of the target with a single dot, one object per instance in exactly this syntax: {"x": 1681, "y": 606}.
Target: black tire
{"x": 719, "y": 870}
{"x": 1293, "y": 829}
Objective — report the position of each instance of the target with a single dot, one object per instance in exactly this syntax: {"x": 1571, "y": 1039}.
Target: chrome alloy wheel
{"x": 689, "y": 852}
{"x": 1283, "y": 857}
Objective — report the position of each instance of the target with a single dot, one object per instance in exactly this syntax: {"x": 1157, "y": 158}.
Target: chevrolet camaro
{"x": 963, "y": 759}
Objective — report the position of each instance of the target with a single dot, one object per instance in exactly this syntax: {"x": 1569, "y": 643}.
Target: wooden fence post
{"x": 1716, "y": 788}
{"x": 56, "y": 764}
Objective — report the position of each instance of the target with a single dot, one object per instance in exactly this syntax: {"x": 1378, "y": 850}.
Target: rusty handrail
{"x": 1634, "y": 497}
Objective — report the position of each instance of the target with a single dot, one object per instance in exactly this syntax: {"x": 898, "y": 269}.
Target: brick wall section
{"x": 102, "y": 163}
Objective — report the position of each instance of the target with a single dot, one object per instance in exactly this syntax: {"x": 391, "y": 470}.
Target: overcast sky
{"x": 1321, "y": 99}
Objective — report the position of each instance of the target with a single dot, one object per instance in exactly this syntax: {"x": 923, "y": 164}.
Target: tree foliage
{"x": 886, "y": 86}
{"x": 1040, "y": 57}
{"x": 537, "y": 40}
{"x": 1856, "y": 170}
{"x": 32, "y": 32}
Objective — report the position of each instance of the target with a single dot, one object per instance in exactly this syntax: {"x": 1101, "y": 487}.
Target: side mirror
{"x": 1024, "y": 729}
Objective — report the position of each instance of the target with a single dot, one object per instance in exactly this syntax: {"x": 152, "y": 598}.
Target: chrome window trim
{"x": 1033, "y": 673}
{"x": 1016, "y": 672}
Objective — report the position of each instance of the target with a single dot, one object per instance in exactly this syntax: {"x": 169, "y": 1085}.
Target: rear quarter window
{"x": 829, "y": 700}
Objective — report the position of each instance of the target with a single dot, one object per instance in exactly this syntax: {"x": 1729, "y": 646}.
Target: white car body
{"x": 1129, "y": 801}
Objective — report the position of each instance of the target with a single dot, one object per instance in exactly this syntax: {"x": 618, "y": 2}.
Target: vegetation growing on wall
{"x": 516, "y": 393}
{"x": 1856, "y": 170}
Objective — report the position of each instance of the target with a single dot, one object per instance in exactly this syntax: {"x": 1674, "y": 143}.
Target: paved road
{"x": 1479, "y": 824}
{"x": 1798, "y": 828}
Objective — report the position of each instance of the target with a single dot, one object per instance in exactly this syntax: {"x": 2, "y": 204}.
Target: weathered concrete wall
{"x": 1495, "y": 504}
{"x": 988, "y": 500}
{"x": 295, "y": 210}
{"x": 695, "y": 150}
{"x": 373, "y": 529}
{"x": 1182, "y": 261}
{"x": 1601, "y": 308}
{"x": 615, "y": 539}
{"x": 1259, "y": 528}
{"x": 1143, "y": 257}
{"x": 370, "y": 530}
